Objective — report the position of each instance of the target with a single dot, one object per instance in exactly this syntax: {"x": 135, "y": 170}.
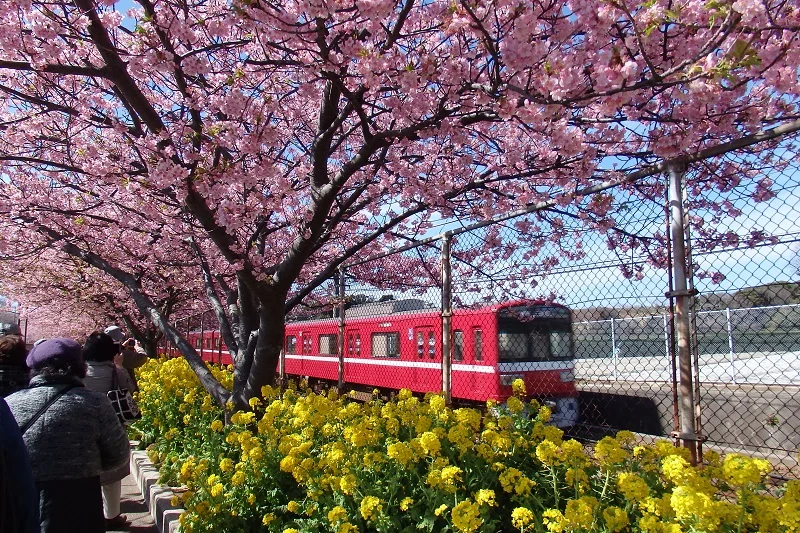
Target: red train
{"x": 398, "y": 344}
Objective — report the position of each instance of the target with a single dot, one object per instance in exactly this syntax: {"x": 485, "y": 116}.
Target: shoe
{"x": 117, "y": 522}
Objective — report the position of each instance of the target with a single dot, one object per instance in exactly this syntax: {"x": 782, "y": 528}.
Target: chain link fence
{"x": 587, "y": 315}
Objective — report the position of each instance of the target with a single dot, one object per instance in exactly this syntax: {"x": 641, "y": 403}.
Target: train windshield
{"x": 534, "y": 333}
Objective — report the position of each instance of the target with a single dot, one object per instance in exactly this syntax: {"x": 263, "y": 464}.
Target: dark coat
{"x": 70, "y": 444}
{"x": 12, "y": 378}
{"x": 19, "y": 501}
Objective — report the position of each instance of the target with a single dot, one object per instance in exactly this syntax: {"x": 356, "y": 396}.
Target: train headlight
{"x": 507, "y": 379}
{"x": 566, "y": 376}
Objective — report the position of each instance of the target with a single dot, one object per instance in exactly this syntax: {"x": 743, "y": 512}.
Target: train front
{"x": 535, "y": 345}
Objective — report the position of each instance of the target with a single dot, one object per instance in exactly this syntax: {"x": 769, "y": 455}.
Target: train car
{"x": 398, "y": 344}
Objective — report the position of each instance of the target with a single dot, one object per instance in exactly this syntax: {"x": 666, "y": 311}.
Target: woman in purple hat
{"x": 72, "y": 434}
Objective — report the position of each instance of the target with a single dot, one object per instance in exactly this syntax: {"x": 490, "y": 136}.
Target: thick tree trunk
{"x": 258, "y": 364}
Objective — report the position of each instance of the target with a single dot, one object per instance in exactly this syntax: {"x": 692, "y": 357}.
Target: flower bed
{"x": 304, "y": 462}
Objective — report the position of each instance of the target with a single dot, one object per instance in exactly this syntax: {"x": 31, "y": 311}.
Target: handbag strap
{"x": 114, "y": 378}
{"x": 43, "y": 408}
{"x": 116, "y": 384}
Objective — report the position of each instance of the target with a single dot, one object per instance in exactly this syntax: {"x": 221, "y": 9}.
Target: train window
{"x": 308, "y": 343}
{"x": 198, "y": 344}
{"x": 386, "y": 344}
{"x": 431, "y": 345}
{"x": 458, "y": 345}
{"x": 514, "y": 346}
{"x": 540, "y": 346}
{"x": 219, "y": 342}
{"x": 358, "y": 344}
{"x": 478, "y": 338}
{"x": 561, "y": 344}
{"x": 350, "y": 344}
{"x": 420, "y": 345}
{"x": 329, "y": 344}
{"x": 291, "y": 344}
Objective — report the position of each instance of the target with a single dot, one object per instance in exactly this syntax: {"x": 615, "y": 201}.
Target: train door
{"x": 352, "y": 350}
{"x": 427, "y": 371}
{"x": 463, "y": 377}
{"x": 306, "y": 348}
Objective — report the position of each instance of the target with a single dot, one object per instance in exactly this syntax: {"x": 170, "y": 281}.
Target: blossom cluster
{"x": 301, "y": 461}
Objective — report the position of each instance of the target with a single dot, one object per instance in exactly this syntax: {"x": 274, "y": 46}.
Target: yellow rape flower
{"x": 371, "y": 507}
{"x": 226, "y": 465}
{"x": 580, "y": 513}
{"x": 515, "y": 405}
{"x": 405, "y": 503}
{"x": 485, "y": 497}
{"x": 609, "y": 453}
{"x": 632, "y": 487}
{"x": 741, "y": 471}
{"x": 547, "y": 452}
{"x": 521, "y": 517}
{"x": 616, "y": 518}
{"x": 514, "y": 481}
{"x": 337, "y": 514}
{"x": 466, "y": 517}
{"x": 430, "y": 443}
{"x": 553, "y": 519}
{"x": 347, "y": 484}
{"x": 437, "y": 403}
{"x": 576, "y": 477}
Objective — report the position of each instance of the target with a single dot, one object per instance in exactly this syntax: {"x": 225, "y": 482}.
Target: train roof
{"x": 413, "y": 306}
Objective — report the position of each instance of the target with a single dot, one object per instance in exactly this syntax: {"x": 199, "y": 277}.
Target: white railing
{"x": 752, "y": 345}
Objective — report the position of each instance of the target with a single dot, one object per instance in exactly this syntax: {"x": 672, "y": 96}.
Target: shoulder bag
{"x": 122, "y": 401}
{"x": 24, "y": 427}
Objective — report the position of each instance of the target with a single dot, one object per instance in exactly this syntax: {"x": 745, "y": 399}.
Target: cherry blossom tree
{"x": 264, "y": 144}
{"x": 65, "y": 297}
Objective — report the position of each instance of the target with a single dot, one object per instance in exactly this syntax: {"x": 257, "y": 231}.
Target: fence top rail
{"x": 707, "y": 312}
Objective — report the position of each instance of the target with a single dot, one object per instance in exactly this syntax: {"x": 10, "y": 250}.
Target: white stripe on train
{"x": 531, "y": 366}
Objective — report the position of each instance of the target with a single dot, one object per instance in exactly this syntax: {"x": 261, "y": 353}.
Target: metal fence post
{"x": 730, "y": 344}
{"x": 202, "y": 333}
{"x": 666, "y": 334}
{"x": 687, "y": 432}
{"x": 447, "y": 318}
{"x": 340, "y": 341}
{"x": 614, "y": 357}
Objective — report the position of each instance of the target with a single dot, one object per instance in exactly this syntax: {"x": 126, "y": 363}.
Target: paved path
{"x": 134, "y": 507}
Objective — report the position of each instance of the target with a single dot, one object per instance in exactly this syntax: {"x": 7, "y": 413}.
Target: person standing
{"x": 19, "y": 501}
{"x": 132, "y": 357}
{"x": 13, "y": 370}
{"x": 103, "y": 373}
{"x": 71, "y": 433}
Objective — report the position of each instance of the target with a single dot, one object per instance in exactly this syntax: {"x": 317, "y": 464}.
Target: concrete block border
{"x": 156, "y": 497}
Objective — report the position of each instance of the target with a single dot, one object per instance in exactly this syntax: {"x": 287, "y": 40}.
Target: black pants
{"x": 71, "y": 506}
